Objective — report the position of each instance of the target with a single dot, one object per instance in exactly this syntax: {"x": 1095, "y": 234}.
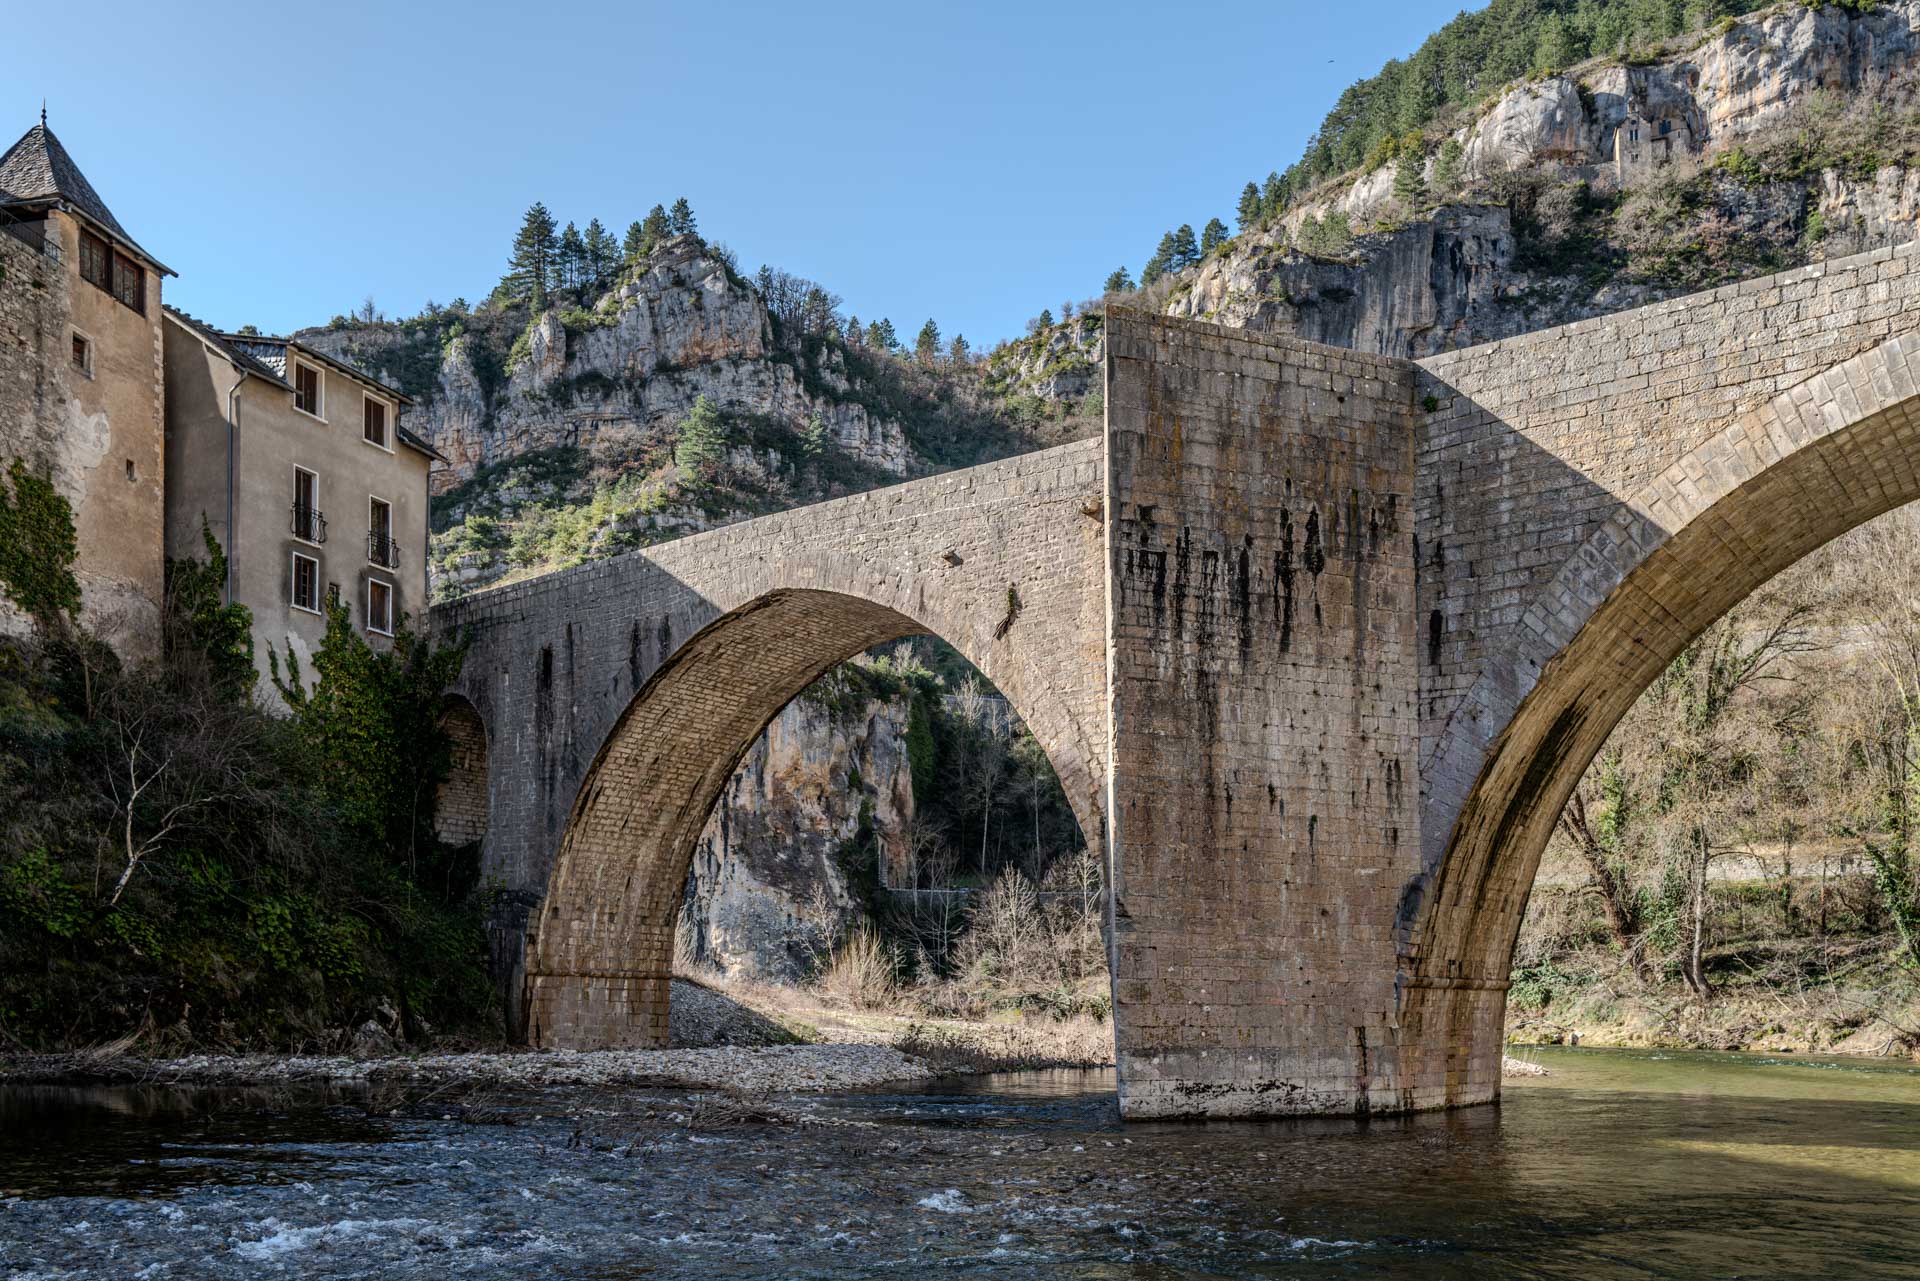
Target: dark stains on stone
{"x": 543, "y": 735}
{"x": 1182, "y": 576}
{"x": 1436, "y": 633}
{"x": 1313, "y": 555}
{"x": 1283, "y": 573}
{"x": 1243, "y": 597}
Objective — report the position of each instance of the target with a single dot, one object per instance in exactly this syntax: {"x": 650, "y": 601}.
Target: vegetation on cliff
{"x": 179, "y": 867}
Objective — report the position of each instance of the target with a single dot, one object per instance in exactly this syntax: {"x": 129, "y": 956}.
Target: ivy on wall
{"x": 37, "y": 547}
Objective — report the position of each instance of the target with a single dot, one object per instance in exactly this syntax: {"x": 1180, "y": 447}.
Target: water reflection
{"x": 1619, "y": 1164}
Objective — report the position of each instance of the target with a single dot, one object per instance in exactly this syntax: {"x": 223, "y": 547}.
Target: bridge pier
{"x": 1263, "y": 693}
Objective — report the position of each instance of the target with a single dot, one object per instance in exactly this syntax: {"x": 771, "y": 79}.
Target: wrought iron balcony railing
{"x": 309, "y": 524}
{"x": 382, "y": 551}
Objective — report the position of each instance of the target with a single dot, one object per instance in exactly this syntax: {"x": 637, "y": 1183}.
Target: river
{"x": 1619, "y": 1164}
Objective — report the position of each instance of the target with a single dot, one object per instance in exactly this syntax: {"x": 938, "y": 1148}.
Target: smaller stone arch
{"x": 462, "y": 805}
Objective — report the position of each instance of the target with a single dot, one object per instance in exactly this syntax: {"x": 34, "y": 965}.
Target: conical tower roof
{"x": 37, "y": 170}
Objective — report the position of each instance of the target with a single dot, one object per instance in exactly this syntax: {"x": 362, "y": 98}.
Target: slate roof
{"x": 268, "y": 352}
{"x": 271, "y": 354}
{"x": 234, "y": 352}
{"x": 37, "y": 170}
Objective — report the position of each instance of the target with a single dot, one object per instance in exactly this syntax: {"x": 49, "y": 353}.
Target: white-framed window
{"x": 309, "y": 524}
{"x": 380, "y": 606}
{"x": 373, "y": 420}
{"x": 308, "y": 393}
{"x": 304, "y": 584}
{"x": 83, "y": 353}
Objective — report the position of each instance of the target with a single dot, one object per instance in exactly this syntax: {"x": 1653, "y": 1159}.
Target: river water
{"x": 1620, "y": 1164}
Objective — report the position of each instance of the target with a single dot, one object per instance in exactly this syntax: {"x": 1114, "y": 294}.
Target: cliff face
{"x": 1442, "y": 282}
{"x": 1766, "y": 144}
{"x": 821, "y": 802}
{"x": 616, "y": 381}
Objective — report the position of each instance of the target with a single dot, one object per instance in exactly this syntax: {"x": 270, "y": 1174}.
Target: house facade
{"x": 81, "y": 383}
{"x": 299, "y": 468}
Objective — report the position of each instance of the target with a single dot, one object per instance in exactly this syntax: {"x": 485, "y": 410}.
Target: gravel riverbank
{"x": 769, "y": 1069}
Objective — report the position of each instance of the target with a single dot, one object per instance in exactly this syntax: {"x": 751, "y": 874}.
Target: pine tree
{"x": 600, "y": 255}
{"x": 632, "y": 248}
{"x": 813, "y": 440}
{"x": 1273, "y": 196}
{"x": 1248, "y": 212}
{"x": 927, "y": 346}
{"x": 1409, "y": 183}
{"x": 880, "y": 336}
{"x": 702, "y": 448}
{"x": 655, "y": 229}
{"x": 1446, "y": 169}
{"x": 1161, "y": 262}
{"x": 856, "y": 336}
{"x": 1186, "y": 251}
{"x": 1120, "y": 281}
{"x": 958, "y": 353}
{"x": 1212, "y": 236}
{"x": 570, "y": 262}
{"x": 1046, "y": 319}
{"x": 681, "y": 219}
{"x": 530, "y": 269}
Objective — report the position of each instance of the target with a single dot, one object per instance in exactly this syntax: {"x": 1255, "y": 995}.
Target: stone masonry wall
{"x": 34, "y": 307}
{"x": 96, "y": 432}
{"x": 1263, "y": 686}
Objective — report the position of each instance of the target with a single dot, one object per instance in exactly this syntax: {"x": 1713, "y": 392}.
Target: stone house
{"x": 298, "y": 466}
{"x": 81, "y": 368}
{"x": 1643, "y": 143}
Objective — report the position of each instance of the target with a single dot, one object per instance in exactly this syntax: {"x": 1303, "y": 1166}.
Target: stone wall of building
{"x": 96, "y": 432}
{"x": 1263, "y": 684}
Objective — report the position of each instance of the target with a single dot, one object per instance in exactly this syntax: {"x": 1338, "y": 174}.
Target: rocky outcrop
{"x": 821, "y": 802}
{"x": 616, "y": 381}
{"x": 1429, "y": 286}
{"x": 1058, "y": 362}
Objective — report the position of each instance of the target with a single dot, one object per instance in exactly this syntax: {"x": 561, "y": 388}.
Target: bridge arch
{"x": 600, "y": 951}
{"x": 464, "y": 801}
{"x": 1782, "y": 480}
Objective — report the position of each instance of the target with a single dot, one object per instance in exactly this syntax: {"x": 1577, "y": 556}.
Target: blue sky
{"x": 969, "y": 163}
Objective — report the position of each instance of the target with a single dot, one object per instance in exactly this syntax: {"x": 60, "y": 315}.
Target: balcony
{"x": 382, "y": 551}
{"x": 308, "y": 524}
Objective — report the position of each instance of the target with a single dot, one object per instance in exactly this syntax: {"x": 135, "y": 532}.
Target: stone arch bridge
{"x": 1319, "y": 642}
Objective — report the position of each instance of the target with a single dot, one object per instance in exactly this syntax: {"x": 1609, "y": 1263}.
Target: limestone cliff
{"x": 1757, "y": 145}
{"x": 615, "y": 380}
{"x": 822, "y": 801}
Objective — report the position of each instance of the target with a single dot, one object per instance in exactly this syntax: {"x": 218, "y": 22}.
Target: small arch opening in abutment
{"x": 461, "y": 806}
{"x": 1732, "y": 550}
{"x": 699, "y": 734}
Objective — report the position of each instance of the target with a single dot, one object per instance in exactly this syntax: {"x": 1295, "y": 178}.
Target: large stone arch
{"x": 1779, "y": 482}
{"x": 601, "y": 953}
